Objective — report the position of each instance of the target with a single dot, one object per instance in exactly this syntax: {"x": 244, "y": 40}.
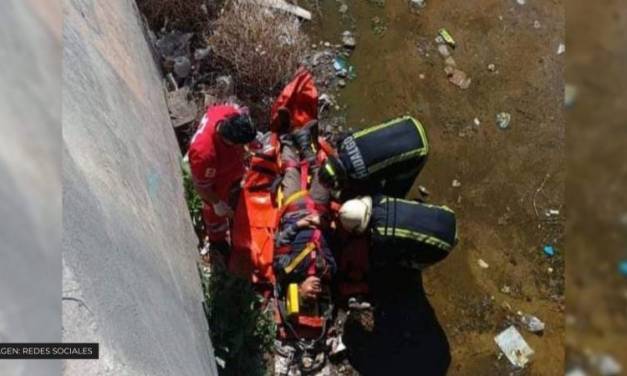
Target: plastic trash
{"x": 483, "y": 264}
{"x": 549, "y": 250}
{"x": 503, "y": 119}
{"x": 343, "y": 68}
{"x": 622, "y": 268}
{"x": 513, "y": 345}
{"x": 532, "y": 323}
{"x": 576, "y": 372}
{"x": 446, "y": 37}
{"x": 606, "y": 365}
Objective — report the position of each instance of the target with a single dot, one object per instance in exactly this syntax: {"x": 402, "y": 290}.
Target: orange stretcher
{"x": 256, "y": 216}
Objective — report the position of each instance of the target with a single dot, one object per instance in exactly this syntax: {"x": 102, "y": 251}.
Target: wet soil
{"x": 508, "y": 177}
{"x": 597, "y": 228}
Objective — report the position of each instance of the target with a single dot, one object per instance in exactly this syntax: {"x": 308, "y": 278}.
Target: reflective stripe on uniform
{"x": 413, "y": 235}
{"x": 401, "y": 157}
{"x": 392, "y": 199}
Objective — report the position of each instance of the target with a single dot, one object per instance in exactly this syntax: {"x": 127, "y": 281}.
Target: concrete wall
{"x": 129, "y": 275}
{"x": 30, "y": 180}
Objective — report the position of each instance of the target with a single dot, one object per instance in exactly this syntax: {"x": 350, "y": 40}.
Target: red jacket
{"x": 214, "y": 164}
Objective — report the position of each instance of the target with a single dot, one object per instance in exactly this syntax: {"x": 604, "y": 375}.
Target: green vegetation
{"x": 241, "y": 329}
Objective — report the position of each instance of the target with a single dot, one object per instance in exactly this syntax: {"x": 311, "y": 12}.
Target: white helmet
{"x": 355, "y": 214}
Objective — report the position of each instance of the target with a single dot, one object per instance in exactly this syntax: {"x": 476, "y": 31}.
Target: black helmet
{"x": 332, "y": 173}
{"x": 238, "y": 129}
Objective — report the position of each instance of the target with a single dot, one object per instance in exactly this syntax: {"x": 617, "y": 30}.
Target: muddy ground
{"x": 502, "y": 172}
{"x": 596, "y": 292}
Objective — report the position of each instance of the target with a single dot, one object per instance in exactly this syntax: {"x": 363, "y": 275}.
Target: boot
{"x": 303, "y": 140}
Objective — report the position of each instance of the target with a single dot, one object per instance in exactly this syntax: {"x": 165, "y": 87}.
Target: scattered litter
{"x": 532, "y": 323}
{"x": 536, "y": 24}
{"x": 483, "y": 264}
{"x": 570, "y": 95}
{"x": 421, "y": 76}
{"x": 446, "y": 37}
{"x": 343, "y": 8}
{"x": 182, "y": 110}
{"x": 491, "y": 67}
{"x": 622, "y": 268}
{"x": 506, "y": 289}
{"x": 418, "y": 3}
{"x": 423, "y": 190}
{"x": 552, "y": 213}
{"x": 521, "y": 2}
{"x": 576, "y": 372}
{"x": 443, "y": 50}
{"x": 549, "y": 250}
{"x": 476, "y": 121}
{"x": 348, "y": 39}
{"x": 458, "y": 77}
{"x": 606, "y": 365}
{"x": 182, "y": 66}
{"x": 337, "y": 347}
{"x": 343, "y": 68}
{"x": 341, "y": 83}
{"x": 201, "y": 53}
{"x": 503, "y": 119}
{"x": 561, "y": 48}
{"x": 285, "y": 7}
{"x": 549, "y": 270}
{"x": 449, "y": 62}
{"x": 327, "y": 44}
{"x": 513, "y": 345}
{"x": 456, "y": 183}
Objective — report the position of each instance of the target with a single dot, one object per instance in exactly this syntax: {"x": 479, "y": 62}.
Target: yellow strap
{"x": 295, "y": 196}
{"x": 297, "y": 260}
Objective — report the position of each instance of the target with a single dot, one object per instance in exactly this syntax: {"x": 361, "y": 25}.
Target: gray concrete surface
{"x": 30, "y": 183}
{"x": 129, "y": 275}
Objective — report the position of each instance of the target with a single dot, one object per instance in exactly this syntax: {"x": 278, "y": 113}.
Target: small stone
{"x": 491, "y": 67}
{"x": 343, "y": 8}
{"x": 341, "y": 83}
{"x": 418, "y": 3}
{"x": 536, "y": 24}
{"x": 423, "y": 190}
{"x": 456, "y": 183}
{"x": 421, "y": 76}
{"x": 477, "y": 122}
{"x": 561, "y": 48}
{"x": 506, "y": 289}
{"x": 550, "y": 270}
{"x": 483, "y": 264}
{"x": 327, "y": 44}
{"x": 607, "y": 365}
{"x": 521, "y": 2}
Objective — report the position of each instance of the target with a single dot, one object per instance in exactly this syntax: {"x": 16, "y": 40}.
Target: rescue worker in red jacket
{"x": 216, "y": 157}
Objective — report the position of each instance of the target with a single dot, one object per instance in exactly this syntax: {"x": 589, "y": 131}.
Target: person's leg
{"x": 217, "y": 227}
{"x": 290, "y": 183}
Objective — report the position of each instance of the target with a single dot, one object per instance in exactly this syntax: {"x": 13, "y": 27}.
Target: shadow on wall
{"x": 407, "y": 336}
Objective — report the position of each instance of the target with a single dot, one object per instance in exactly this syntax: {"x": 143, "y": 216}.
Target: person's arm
{"x": 203, "y": 167}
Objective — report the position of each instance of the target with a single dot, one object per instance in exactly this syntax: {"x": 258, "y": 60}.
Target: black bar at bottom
{"x": 49, "y": 351}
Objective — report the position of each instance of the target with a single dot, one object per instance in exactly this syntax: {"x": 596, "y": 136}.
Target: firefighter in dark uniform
{"x": 407, "y": 233}
{"x": 384, "y": 159}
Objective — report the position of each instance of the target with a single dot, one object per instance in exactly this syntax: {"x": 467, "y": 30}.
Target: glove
{"x": 222, "y": 209}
